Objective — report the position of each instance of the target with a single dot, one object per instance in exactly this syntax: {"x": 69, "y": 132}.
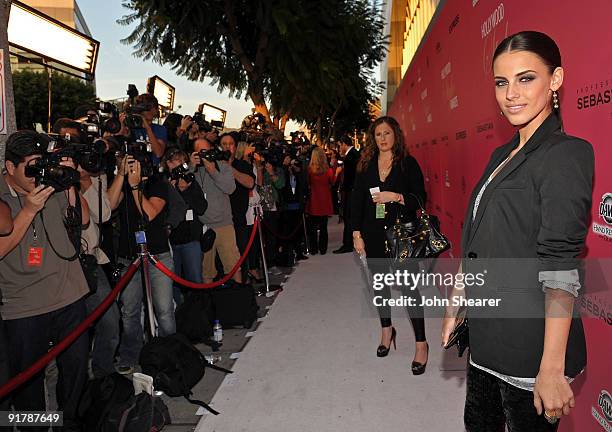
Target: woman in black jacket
{"x": 185, "y": 238}
{"x": 387, "y": 180}
{"x": 526, "y": 223}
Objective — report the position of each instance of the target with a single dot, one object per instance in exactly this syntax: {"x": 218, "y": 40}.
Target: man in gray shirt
{"x": 217, "y": 182}
{"x": 42, "y": 281}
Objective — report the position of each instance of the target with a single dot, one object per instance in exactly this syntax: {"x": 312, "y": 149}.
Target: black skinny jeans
{"x": 378, "y": 262}
{"x": 492, "y": 403}
{"x": 416, "y": 312}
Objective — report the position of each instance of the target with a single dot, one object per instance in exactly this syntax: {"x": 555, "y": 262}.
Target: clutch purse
{"x": 460, "y": 337}
{"x": 420, "y": 238}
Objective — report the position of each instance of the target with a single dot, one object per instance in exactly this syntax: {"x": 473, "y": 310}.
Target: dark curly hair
{"x": 371, "y": 149}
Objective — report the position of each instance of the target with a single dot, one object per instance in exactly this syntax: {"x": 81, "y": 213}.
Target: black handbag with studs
{"x": 420, "y": 238}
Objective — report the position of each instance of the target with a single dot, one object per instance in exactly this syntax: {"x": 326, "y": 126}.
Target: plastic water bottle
{"x": 217, "y": 331}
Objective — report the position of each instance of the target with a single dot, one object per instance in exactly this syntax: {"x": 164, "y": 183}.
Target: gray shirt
{"x": 217, "y": 188}
{"x": 31, "y": 290}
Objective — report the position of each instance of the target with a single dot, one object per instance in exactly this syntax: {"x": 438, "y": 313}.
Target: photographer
{"x": 141, "y": 202}
{"x": 93, "y": 188}
{"x": 42, "y": 282}
{"x": 147, "y": 108}
{"x": 239, "y": 199}
{"x": 217, "y": 181}
{"x": 270, "y": 180}
{"x": 182, "y": 131}
{"x": 293, "y": 198}
{"x": 185, "y": 238}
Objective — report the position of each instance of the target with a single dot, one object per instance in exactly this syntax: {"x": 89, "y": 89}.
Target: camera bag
{"x": 235, "y": 304}
{"x": 176, "y": 366}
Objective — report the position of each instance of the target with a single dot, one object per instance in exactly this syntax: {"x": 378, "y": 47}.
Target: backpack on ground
{"x": 176, "y": 366}
{"x": 101, "y": 397}
{"x": 193, "y": 317}
{"x": 141, "y": 413}
{"x": 235, "y": 304}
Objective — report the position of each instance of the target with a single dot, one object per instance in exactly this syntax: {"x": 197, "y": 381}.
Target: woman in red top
{"x": 319, "y": 206}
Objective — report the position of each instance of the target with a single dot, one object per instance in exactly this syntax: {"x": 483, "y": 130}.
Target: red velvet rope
{"x": 165, "y": 270}
{"x": 277, "y": 235}
{"x": 50, "y": 355}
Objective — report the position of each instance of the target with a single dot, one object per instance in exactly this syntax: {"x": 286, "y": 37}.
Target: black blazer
{"x": 350, "y": 169}
{"x": 534, "y": 215}
{"x": 404, "y": 178}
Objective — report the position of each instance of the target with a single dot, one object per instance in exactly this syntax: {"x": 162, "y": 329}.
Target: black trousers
{"x": 318, "y": 242}
{"x": 416, "y": 312}
{"x": 347, "y": 234}
{"x": 491, "y": 404}
{"x": 29, "y": 340}
{"x": 290, "y": 221}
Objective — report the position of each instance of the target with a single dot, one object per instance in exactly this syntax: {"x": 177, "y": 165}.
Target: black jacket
{"x": 349, "y": 169}
{"x": 189, "y": 231}
{"x": 405, "y": 178}
{"x": 533, "y": 216}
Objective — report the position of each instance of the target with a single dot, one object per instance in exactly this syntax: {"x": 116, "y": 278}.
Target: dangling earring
{"x": 555, "y": 99}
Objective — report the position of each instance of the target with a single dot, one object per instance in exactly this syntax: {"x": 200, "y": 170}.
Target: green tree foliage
{"x": 31, "y": 101}
{"x": 299, "y": 59}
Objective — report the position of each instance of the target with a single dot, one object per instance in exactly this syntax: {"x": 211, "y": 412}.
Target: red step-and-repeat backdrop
{"x": 447, "y": 109}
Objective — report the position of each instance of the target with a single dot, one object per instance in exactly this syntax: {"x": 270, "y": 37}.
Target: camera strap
{"x": 71, "y": 231}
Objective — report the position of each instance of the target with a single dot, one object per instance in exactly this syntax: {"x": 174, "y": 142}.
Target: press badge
{"x": 189, "y": 215}
{"x": 141, "y": 237}
{"x": 380, "y": 211}
{"x": 35, "y": 256}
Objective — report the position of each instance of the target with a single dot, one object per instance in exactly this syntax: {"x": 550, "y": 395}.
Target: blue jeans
{"x": 187, "y": 264}
{"x": 106, "y": 328}
{"x": 131, "y": 309}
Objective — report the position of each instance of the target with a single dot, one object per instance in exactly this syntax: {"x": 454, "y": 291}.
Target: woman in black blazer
{"x": 531, "y": 209}
{"x": 385, "y": 164}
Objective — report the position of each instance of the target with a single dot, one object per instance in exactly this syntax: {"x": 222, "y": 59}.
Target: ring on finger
{"x": 551, "y": 417}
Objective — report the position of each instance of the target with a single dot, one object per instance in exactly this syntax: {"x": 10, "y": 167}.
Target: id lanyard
{"x": 35, "y": 252}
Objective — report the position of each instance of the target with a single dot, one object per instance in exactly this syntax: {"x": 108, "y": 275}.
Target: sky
{"x": 117, "y": 67}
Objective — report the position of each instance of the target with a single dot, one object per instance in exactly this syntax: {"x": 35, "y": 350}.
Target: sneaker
{"x": 125, "y": 370}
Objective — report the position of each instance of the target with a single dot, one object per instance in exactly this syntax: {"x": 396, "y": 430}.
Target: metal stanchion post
{"x": 141, "y": 240}
{"x": 305, "y": 235}
{"x": 269, "y": 291}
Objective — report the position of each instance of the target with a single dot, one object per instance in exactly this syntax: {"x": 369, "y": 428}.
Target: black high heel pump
{"x": 419, "y": 368}
{"x": 382, "y": 350}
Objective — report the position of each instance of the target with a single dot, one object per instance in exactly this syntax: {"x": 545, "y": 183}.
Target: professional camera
{"x": 274, "y": 153}
{"x": 182, "y": 171}
{"x": 47, "y": 171}
{"x": 103, "y": 117}
{"x": 133, "y": 121}
{"x": 205, "y": 125}
{"x": 138, "y": 150}
{"x": 215, "y": 154}
{"x": 90, "y": 154}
